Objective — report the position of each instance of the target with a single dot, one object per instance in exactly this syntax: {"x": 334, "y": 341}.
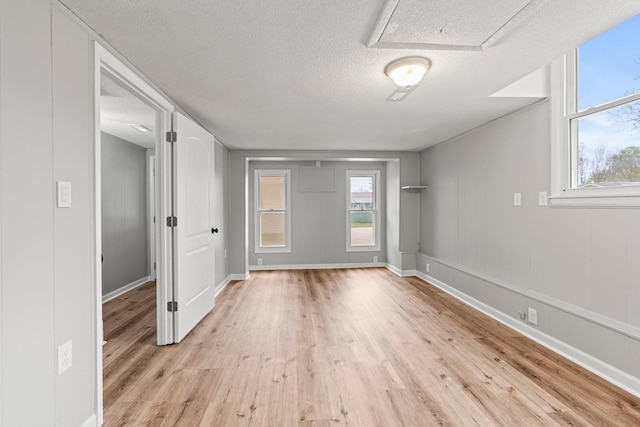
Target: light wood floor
{"x": 358, "y": 347}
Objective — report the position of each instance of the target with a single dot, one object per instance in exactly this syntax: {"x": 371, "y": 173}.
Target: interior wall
{"x": 221, "y": 212}
{"x": 47, "y": 287}
{"x": 318, "y": 218}
{"x": 124, "y": 213}
{"x": 578, "y": 267}
{"x": 408, "y": 172}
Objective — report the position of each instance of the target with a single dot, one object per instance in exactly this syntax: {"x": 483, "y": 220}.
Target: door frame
{"x": 107, "y": 62}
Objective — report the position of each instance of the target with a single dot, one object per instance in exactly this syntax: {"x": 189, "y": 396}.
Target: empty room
{"x": 286, "y": 213}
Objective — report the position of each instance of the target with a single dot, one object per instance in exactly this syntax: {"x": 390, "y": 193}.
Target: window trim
{"x": 257, "y": 174}
{"x": 376, "y": 211}
{"x": 563, "y": 77}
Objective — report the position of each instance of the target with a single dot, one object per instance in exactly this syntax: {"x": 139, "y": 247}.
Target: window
{"x": 596, "y": 92}
{"x": 363, "y": 222}
{"x": 273, "y": 213}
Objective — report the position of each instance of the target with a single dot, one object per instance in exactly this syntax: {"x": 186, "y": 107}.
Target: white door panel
{"x": 194, "y": 257}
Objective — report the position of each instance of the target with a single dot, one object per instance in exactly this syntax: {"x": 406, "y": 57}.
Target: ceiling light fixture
{"x": 407, "y": 71}
{"x": 139, "y": 127}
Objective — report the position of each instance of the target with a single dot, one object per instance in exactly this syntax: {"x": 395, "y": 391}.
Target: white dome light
{"x": 407, "y": 71}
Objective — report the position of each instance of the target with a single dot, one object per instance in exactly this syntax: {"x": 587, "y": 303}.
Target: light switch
{"x": 64, "y": 194}
{"x": 517, "y": 199}
{"x": 542, "y": 198}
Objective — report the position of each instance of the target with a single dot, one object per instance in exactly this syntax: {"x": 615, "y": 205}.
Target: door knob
{"x": 214, "y": 230}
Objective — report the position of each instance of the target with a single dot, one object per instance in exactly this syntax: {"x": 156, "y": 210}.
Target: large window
{"x": 363, "y": 223}
{"x": 597, "y": 142}
{"x": 273, "y": 213}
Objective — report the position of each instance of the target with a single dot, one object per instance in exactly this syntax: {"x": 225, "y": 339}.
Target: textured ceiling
{"x": 119, "y": 108}
{"x": 291, "y": 74}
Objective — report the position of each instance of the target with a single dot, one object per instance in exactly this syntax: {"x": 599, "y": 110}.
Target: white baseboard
{"x": 316, "y": 266}
{"x": 123, "y": 290}
{"x": 244, "y": 276}
{"x": 223, "y": 284}
{"x": 92, "y": 421}
{"x": 610, "y": 373}
{"x": 401, "y": 273}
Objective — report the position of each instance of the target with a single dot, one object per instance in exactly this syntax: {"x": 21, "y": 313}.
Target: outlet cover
{"x": 533, "y": 316}
{"x": 428, "y": 268}
{"x": 517, "y": 199}
{"x": 259, "y": 261}
{"x": 375, "y": 258}
{"x": 543, "y": 198}
{"x": 65, "y": 357}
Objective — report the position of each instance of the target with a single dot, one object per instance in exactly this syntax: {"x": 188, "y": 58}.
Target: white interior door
{"x": 194, "y": 257}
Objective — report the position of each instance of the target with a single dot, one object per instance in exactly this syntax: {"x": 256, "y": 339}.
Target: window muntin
{"x": 596, "y": 155}
{"x": 363, "y": 230}
{"x": 273, "y": 217}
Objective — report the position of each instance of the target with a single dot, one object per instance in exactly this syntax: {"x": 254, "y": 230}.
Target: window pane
{"x": 609, "y": 65}
{"x": 609, "y": 147}
{"x": 362, "y": 229}
{"x": 272, "y": 192}
{"x": 272, "y": 229}
{"x": 361, "y": 188}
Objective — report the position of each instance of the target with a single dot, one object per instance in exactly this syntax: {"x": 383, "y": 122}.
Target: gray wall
{"x": 47, "y": 286}
{"x": 221, "y": 212}
{"x": 578, "y": 267}
{"x": 318, "y": 218}
{"x": 124, "y": 213}
{"x": 405, "y": 206}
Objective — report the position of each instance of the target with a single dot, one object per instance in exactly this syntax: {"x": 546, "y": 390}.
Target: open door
{"x": 193, "y": 257}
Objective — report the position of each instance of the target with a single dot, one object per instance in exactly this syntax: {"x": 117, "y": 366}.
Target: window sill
{"x": 591, "y": 201}
{"x": 363, "y": 249}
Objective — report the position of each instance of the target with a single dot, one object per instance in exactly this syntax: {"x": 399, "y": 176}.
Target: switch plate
{"x": 532, "y": 316}
{"x": 64, "y": 194}
{"x": 543, "y": 198}
{"x": 65, "y": 357}
{"x": 517, "y": 199}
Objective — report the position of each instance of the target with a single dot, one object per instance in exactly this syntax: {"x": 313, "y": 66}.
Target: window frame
{"x": 564, "y": 145}
{"x": 258, "y": 173}
{"x": 375, "y": 210}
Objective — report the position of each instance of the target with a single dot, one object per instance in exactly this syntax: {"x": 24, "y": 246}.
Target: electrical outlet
{"x": 375, "y": 258}
{"x": 428, "y": 268}
{"x": 533, "y": 316}
{"x": 259, "y": 261}
{"x": 517, "y": 199}
{"x": 543, "y": 197}
{"x": 65, "y": 357}
{"x": 522, "y": 315}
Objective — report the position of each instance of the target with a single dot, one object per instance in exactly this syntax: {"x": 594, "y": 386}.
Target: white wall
{"x": 46, "y": 281}
{"x": 48, "y": 290}
{"x": 578, "y": 267}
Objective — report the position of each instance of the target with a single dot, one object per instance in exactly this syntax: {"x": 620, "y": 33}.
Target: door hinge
{"x": 171, "y": 137}
{"x": 172, "y": 306}
{"x": 172, "y": 221}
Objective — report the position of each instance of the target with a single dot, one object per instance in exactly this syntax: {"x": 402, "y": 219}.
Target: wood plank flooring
{"x": 358, "y": 347}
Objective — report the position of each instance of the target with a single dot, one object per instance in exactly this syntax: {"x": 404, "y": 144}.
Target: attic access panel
{"x": 447, "y": 25}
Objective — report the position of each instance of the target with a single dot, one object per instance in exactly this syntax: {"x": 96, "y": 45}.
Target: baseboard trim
{"x": 92, "y": 421}
{"x": 401, "y": 273}
{"x": 612, "y": 374}
{"x": 126, "y": 288}
{"x": 223, "y": 285}
{"x": 590, "y": 316}
{"x": 316, "y": 266}
{"x": 244, "y": 276}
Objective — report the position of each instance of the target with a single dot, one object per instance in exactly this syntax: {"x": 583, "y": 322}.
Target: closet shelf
{"x": 414, "y": 188}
